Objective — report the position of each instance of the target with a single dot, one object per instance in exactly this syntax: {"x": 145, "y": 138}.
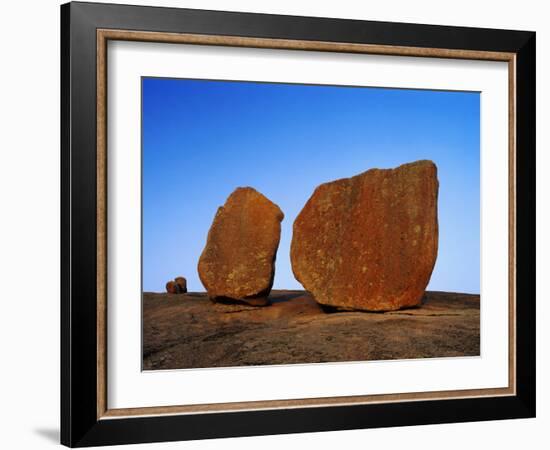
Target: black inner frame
{"x": 79, "y": 423}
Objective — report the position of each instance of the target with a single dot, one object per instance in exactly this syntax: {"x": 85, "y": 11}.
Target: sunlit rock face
{"x": 369, "y": 242}
{"x": 238, "y": 261}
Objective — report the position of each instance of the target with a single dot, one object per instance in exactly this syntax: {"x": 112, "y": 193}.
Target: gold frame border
{"x": 103, "y": 36}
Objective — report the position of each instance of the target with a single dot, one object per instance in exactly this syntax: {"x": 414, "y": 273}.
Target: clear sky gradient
{"x": 202, "y": 139}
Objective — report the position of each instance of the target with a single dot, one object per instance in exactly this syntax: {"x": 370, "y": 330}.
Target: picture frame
{"x": 86, "y": 418}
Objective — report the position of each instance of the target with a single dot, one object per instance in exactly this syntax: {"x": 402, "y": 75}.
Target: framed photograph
{"x": 277, "y": 224}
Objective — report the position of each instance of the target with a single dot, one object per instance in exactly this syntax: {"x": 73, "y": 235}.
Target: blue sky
{"x": 201, "y": 139}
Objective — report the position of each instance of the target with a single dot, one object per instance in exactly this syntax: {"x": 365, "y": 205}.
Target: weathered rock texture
{"x": 238, "y": 262}
{"x": 187, "y": 331}
{"x": 369, "y": 242}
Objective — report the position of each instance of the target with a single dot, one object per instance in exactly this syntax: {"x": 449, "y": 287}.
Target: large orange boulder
{"x": 238, "y": 261}
{"x": 369, "y": 242}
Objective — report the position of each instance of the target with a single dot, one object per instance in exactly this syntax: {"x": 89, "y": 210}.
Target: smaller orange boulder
{"x": 238, "y": 261}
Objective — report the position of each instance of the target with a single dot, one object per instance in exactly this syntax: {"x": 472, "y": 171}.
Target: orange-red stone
{"x": 172, "y": 287}
{"x": 369, "y": 242}
{"x": 238, "y": 261}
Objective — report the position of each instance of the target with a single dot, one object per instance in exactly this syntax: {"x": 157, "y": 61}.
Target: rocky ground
{"x": 189, "y": 331}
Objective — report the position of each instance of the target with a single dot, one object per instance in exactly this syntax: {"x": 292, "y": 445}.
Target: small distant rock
{"x": 177, "y": 286}
{"x": 181, "y": 282}
{"x": 369, "y": 242}
{"x": 172, "y": 287}
{"x": 238, "y": 261}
